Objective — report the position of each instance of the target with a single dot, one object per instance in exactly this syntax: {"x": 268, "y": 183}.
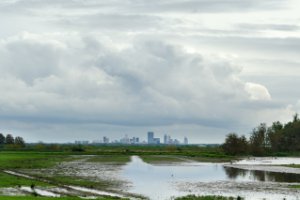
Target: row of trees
{"x": 263, "y": 139}
{"x": 11, "y": 141}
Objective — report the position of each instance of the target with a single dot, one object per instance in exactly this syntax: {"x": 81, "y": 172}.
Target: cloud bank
{"x": 93, "y": 68}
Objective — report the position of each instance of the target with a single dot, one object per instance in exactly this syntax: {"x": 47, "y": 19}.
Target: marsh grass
{"x": 154, "y": 159}
{"x": 101, "y": 184}
{"x": 112, "y": 159}
{"x": 30, "y": 160}
{"x": 7, "y": 180}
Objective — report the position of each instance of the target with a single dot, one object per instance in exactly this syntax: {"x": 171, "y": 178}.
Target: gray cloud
{"x": 29, "y": 59}
{"x": 149, "y": 6}
{"x": 278, "y": 27}
{"x": 111, "y": 21}
{"x": 162, "y": 85}
{"x": 207, "y": 6}
{"x": 204, "y": 67}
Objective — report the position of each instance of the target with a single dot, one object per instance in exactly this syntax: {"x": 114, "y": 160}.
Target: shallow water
{"x": 161, "y": 181}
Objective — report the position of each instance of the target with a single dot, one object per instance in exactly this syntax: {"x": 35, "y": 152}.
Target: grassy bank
{"x": 7, "y": 180}
{"x": 292, "y": 165}
{"x": 101, "y": 184}
{"x": 161, "y": 159}
{"x": 115, "y": 159}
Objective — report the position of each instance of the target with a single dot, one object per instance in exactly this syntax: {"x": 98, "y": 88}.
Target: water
{"x": 161, "y": 181}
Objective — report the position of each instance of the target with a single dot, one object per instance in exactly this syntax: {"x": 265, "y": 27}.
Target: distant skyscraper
{"x": 186, "y": 140}
{"x": 165, "y": 139}
{"x": 150, "y": 137}
{"x": 105, "y": 140}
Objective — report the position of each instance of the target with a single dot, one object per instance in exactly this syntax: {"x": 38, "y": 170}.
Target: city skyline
{"x": 132, "y": 140}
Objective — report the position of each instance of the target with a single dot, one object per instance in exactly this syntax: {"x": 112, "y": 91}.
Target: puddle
{"x": 96, "y": 192}
{"x": 40, "y": 192}
{"x": 166, "y": 181}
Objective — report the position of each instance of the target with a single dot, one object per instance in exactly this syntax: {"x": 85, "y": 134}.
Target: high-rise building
{"x": 150, "y": 137}
{"x": 156, "y": 140}
{"x": 105, "y": 140}
{"x": 186, "y": 141}
{"x": 165, "y": 139}
{"x": 82, "y": 142}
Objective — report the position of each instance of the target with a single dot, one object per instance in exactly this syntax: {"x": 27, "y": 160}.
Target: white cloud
{"x": 257, "y": 91}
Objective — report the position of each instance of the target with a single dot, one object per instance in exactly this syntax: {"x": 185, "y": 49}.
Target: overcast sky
{"x": 83, "y": 69}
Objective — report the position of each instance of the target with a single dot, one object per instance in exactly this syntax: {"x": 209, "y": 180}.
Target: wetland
{"x": 146, "y": 176}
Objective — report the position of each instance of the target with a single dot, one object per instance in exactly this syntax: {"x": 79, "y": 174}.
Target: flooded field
{"x": 253, "y": 178}
{"x": 167, "y": 181}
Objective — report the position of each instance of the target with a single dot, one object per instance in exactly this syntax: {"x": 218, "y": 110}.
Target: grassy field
{"x": 189, "y": 150}
{"x": 7, "y": 180}
{"x": 37, "y": 160}
{"x": 30, "y": 160}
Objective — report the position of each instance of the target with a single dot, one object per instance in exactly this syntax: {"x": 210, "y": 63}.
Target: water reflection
{"x": 255, "y": 175}
{"x": 158, "y": 181}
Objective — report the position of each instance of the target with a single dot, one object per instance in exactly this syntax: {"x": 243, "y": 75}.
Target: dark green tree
{"x": 235, "y": 145}
{"x": 296, "y": 118}
{"x": 9, "y": 139}
{"x": 274, "y": 136}
{"x": 2, "y": 139}
{"x": 258, "y": 142}
{"x": 20, "y": 141}
{"x": 290, "y": 134}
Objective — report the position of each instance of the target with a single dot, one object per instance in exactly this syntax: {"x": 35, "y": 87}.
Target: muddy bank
{"x": 249, "y": 190}
{"x": 269, "y": 161}
{"x": 267, "y": 168}
{"x": 56, "y": 191}
{"x": 268, "y": 164}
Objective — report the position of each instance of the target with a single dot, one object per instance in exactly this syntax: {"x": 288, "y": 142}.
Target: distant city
{"x": 151, "y": 140}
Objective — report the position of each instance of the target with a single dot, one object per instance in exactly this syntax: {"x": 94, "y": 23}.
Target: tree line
{"x": 264, "y": 140}
{"x": 10, "y": 141}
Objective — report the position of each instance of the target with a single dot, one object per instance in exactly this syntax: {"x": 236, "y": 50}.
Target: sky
{"x": 83, "y": 69}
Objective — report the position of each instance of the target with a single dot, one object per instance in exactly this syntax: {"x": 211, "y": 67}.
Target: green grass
{"x": 210, "y": 153}
{"x": 154, "y": 159}
{"x": 294, "y": 186}
{"x": 30, "y": 160}
{"x": 212, "y": 159}
{"x": 161, "y": 159}
{"x": 7, "y": 180}
{"x": 50, "y": 198}
{"x": 193, "y": 197}
{"x": 113, "y": 159}
{"x": 292, "y": 165}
